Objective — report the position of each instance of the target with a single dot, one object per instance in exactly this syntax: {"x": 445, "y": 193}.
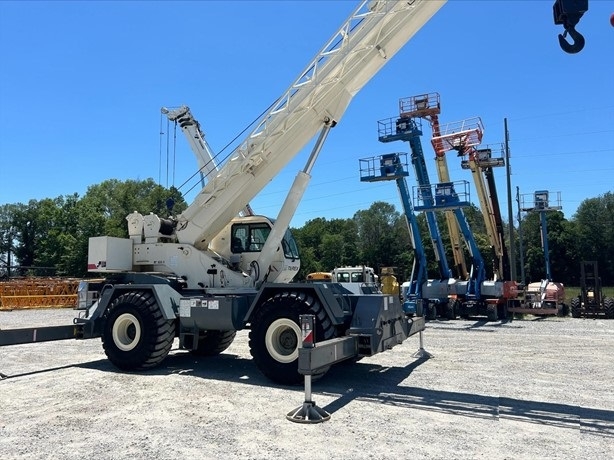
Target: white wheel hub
{"x": 126, "y": 332}
{"x": 282, "y": 340}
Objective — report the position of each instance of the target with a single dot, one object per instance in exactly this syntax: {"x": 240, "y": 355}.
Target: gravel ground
{"x": 530, "y": 388}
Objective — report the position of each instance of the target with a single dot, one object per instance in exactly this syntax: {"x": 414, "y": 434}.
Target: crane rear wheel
{"x": 136, "y": 335}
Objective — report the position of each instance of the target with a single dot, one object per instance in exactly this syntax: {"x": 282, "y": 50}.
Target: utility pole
{"x": 510, "y": 214}
{"x": 522, "y": 278}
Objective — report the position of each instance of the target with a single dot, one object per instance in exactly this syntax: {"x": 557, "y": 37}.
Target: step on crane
{"x": 404, "y": 128}
{"x": 186, "y": 277}
{"x": 464, "y": 137}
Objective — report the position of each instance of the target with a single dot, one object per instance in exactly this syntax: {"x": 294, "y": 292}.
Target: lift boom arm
{"x": 320, "y": 95}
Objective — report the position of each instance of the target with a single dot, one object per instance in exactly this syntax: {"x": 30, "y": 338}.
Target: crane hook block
{"x": 568, "y": 14}
{"x": 578, "y": 41}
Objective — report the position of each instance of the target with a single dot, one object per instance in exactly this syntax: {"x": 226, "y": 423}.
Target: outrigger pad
{"x": 309, "y": 412}
{"x": 422, "y": 354}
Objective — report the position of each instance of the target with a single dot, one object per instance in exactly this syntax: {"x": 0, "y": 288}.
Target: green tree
{"x": 26, "y": 230}
{"x": 325, "y": 244}
{"x": 113, "y": 200}
{"x": 594, "y": 232}
{"x": 378, "y": 228}
{"x": 7, "y": 238}
{"x": 560, "y": 246}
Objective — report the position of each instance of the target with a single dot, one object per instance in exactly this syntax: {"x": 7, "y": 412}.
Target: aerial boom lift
{"x": 470, "y": 294}
{"x": 410, "y": 130}
{"x": 393, "y": 166}
{"x": 428, "y": 107}
{"x": 464, "y": 137}
{"x": 436, "y": 291}
{"x": 480, "y": 163}
{"x": 545, "y": 297}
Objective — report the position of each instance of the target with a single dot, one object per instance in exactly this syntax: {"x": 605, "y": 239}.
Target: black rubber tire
{"x": 451, "y": 309}
{"x": 431, "y": 311}
{"x": 493, "y": 314}
{"x": 575, "y": 307}
{"x": 608, "y": 304}
{"x": 563, "y": 311}
{"x": 502, "y": 310}
{"x": 212, "y": 343}
{"x": 136, "y": 335}
{"x": 275, "y": 335}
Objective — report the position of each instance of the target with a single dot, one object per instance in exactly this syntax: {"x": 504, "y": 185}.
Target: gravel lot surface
{"x": 527, "y": 389}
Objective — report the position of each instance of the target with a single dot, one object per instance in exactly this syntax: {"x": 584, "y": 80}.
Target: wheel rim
{"x": 126, "y": 332}
{"x": 282, "y": 340}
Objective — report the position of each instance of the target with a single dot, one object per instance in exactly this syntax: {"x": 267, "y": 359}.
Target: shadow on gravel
{"x": 381, "y": 384}
{"x": 377, "y": 384}
{"x": 100, "y": 364}
{"x": 480, "y": 325}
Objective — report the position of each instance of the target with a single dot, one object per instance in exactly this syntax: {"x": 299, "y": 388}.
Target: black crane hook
{"x": 578, "y": 41}
{"x": 568, "y": 14}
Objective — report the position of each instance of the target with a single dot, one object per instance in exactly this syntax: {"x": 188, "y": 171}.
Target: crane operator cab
{"x": 242, "y": 241}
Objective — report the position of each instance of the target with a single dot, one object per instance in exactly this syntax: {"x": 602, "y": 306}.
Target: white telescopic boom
{"x": 366, "y": 41}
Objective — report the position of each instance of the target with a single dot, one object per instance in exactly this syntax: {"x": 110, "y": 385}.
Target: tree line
{"x": 50, "y": 236}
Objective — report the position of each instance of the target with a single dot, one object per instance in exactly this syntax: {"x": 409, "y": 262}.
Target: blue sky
{"x": 82, "y": 84}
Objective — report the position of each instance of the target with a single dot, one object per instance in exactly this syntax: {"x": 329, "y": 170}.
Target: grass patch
{"x": 574, "y": 291}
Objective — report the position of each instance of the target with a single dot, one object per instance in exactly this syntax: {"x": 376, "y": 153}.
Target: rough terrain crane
{"x": 206, "y": 273}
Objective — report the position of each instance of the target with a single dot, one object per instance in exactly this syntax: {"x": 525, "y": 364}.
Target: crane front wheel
{"x": 275, "y": 337}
